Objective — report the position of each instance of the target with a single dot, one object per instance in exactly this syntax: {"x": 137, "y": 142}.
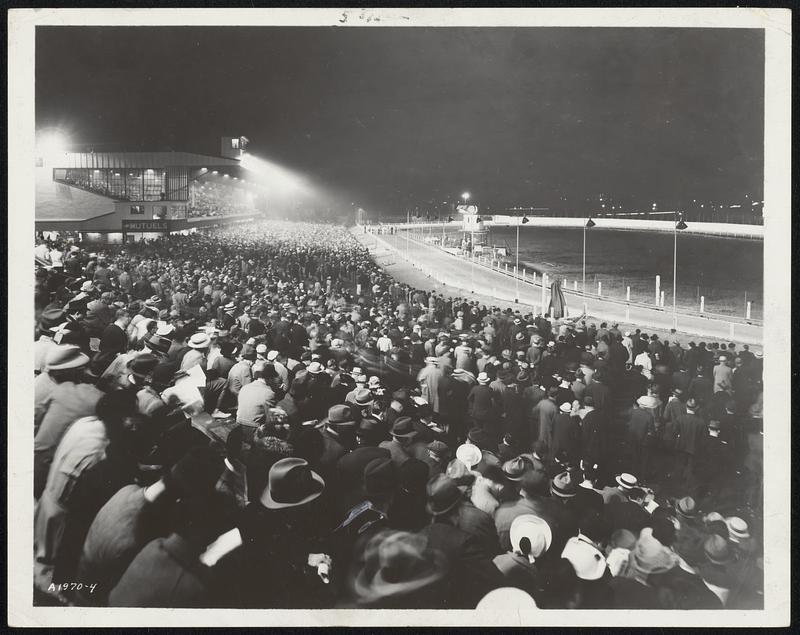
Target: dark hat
{"x": 380, "y": 478}
{"x": 249, "y": 352}
{"x": 443, "y": 496}
{"x": 164, "y": 374}
{"x": 398, "y": 565}
{"x": 228, "y": 349}
{"x": 506, "y": 450}
{"x": 100, "y": 363}
{"x": 403, "y": 428}
{"x": 516, "y": 468}
{"x": 534, "y": 483}
{"x": 141, "y": 368}
{"x": 158, "y": 344}
{"x": 479, "y": 437}
{"x": 340, "y": 416}
{"x": 196, "y": 474}
{"x": 370, "y": 429}
{"x": 291, "y": 483}
{"x": 563, "y": 485}
{"x": 663, "y": 530}
{"x": 439, "y": 448}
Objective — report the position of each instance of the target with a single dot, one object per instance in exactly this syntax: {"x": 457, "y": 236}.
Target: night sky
{"x": 397, "y": 117}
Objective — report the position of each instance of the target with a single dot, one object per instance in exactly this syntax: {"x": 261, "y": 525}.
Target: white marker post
{"x": 574, "y": 285}
{"x": 662, "y": 298}
{"x": 749, "y": 305}
{"x": 702, "y": 304}
{"x": 599, "y": 288}
{"x": 658, "y": 290}
{"x": 628, "y": 294}
{"x": 523, "y": 274}
{"x": 544, "y": 292}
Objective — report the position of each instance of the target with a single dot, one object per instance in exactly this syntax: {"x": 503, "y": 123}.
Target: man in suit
{"x": 113, "y": 338}
{"x": 690, "y": 428}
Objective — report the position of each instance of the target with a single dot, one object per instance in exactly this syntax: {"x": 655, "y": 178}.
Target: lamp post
{"x": 516, "y": 268}
{"x": 589, "y": 224}
{"x": 679, "y": 225}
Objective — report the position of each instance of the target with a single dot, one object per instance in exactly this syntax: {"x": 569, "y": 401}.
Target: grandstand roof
{"x": 140, "y": 160}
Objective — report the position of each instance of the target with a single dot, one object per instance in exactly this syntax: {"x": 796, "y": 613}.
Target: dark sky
{"x": 401, "y": 116}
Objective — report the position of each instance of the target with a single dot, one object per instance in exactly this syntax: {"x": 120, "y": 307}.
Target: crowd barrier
{"x": 532, "y": 290}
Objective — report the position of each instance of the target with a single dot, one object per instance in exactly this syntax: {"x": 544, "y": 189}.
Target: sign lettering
{"x": 145, "y": 225}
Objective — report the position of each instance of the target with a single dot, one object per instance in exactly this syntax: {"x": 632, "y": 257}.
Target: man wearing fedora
{"x": 534, "y": 498}
{"x": 482, "y": 404}
{"x": 544, "y": 419}
{"x": 471, "y": 572}
{"x": 403, "y": 445}
{"x": 690, "y": 428}
{"x": 642, "y": 434}
{"x": 73, "y": 396}
{"x": 338, "y": 432}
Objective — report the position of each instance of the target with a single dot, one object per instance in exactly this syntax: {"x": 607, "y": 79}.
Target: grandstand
{"x": 115, "y": 197}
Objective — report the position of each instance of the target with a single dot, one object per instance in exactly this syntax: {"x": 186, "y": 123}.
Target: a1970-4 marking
{"x": 72, "y": 586}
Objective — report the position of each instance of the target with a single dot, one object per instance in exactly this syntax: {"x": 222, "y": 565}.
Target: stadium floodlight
{"x": 465, "y": 196}
{"x": 276, "y": 176}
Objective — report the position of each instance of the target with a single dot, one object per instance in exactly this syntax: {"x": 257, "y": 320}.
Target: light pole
{"x": 516, "y": 268}
{"x": 678, "y": 225}
{"x": 589, "y": 224}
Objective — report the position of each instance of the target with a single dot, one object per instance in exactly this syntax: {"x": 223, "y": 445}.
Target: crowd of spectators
{"x": 261, "y": 417}
{"x": 218, "y": 199}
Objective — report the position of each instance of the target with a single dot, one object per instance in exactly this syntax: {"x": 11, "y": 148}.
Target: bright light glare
{"x": 271, "y": 174}
{"x": 52, "y": 145}
{"x": 465, "y": 196}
